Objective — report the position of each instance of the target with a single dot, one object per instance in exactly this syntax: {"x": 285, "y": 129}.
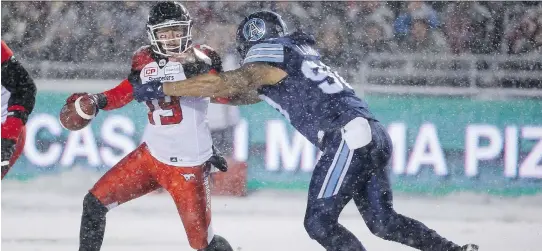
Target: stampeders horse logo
{"x": 189, "y": 176}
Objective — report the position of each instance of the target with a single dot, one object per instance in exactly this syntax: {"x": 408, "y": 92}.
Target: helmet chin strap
{"x": 183, "y": 57}
{"x": 161, "y": 49}
{"x": 176, "y": 49}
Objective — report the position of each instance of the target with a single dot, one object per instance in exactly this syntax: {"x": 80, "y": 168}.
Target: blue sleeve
{"x": 402, "y": 24}
{"x": 265, "y": 52}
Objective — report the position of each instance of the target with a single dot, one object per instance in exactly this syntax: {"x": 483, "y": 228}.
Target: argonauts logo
{"x": 254, "y": 29}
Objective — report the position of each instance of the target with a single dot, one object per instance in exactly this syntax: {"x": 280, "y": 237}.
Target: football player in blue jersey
{"x": 285, "y": 71}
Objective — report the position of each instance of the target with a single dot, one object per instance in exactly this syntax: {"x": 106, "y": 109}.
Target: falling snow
{"x": 480, "y": 50}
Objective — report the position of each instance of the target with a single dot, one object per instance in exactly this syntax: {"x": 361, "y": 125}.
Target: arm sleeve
{"x": 6, "y": 52}
{"x": 18, "y": 82}
{"x": 119, "y": 96}
{"x": 122, "y": 94}
{"x": 22, "y": 97}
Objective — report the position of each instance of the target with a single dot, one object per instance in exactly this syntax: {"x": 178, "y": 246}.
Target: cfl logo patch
{"x": 189, "y": 176}
{"x": 151, "y": 71}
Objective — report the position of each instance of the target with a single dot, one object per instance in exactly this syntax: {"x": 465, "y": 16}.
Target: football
{"x": 76, "y": 115}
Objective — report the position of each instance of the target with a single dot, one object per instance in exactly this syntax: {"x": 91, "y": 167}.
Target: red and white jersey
{"x": 177, "y": 132}
{"x": 5, "y": 97}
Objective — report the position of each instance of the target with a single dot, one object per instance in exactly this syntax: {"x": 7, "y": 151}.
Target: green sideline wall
{"x": 441, "y": 144}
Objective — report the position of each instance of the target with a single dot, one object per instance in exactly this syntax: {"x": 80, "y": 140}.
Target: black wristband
{"x": 100, "y": 99}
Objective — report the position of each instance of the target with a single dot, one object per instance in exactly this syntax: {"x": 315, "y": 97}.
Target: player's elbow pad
{"x": 357, "y": 133}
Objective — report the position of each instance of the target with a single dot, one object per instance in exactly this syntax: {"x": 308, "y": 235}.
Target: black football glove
{"x": 218, "y": 161}
{"x": 8, "y": 148}
{"x": 148, "y": 91}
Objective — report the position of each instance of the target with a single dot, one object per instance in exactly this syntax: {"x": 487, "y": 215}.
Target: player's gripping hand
{"x": 148, "y": 91}
{"x": 75, "y": 96}
{"x": 218, "y": 161}
{"x": 72, "y": 98}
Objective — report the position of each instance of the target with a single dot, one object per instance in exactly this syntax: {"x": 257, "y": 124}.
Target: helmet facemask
{"x": 170, "y": 37}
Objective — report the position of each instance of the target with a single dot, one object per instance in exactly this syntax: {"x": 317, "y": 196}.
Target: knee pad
{"x": 93, "y": 207}
{"x": 218, "y": 243}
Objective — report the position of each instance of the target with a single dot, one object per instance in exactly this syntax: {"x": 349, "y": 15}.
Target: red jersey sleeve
{"x": 119, "y": 96}
{"x": 122, "y": 94}
{"x": 6, "y": 52}
{"x": 216, "y": 60}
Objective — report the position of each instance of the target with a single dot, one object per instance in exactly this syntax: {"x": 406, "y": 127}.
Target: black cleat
{"x": 469, "y": 247}
{"x": 218, "y": 244}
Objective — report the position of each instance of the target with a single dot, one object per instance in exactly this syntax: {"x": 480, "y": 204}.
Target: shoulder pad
{"x": 301, "y": 37}
{"x": 267, "y": 51}
{"x": 202, "y": 56}
{"x": 142, "y": 57}
{"x": 208, "y": 55}
{"x": 204, "y": 48}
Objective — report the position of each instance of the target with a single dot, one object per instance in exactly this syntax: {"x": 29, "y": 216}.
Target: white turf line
{"x": 45, "y": 215}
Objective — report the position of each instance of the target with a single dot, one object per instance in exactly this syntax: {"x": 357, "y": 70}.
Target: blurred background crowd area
{"x": 495, "y": 37}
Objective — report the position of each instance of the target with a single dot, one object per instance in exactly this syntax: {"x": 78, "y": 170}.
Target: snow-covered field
{"x": 45, "y": 214}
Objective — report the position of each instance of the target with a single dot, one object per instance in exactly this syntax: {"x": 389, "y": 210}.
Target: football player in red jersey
{"x": 18, "y": 98}
{"x": 177, "y": 151}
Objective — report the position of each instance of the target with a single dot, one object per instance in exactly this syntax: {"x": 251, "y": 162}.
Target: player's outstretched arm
{"x": 119, "y": 96}
{"x": 114, "y": 98}
{"x": 248, "y": 98}
{"x": 234, "y": 83}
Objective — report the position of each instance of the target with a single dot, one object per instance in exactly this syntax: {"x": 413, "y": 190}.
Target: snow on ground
{"x": 44, "y": 214}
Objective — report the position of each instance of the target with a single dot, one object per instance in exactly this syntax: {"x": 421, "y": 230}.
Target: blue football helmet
{"x": 259, "y": 26}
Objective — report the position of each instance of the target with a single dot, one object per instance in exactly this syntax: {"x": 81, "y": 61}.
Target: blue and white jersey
{"x": 312, "y": 97}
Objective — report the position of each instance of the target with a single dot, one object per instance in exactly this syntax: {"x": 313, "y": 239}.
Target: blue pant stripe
{"x": 337, "y": 170}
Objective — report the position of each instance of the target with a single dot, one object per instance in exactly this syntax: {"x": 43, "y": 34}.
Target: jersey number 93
{"x": 329, "y": 81}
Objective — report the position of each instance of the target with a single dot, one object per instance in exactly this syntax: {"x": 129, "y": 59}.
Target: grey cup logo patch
{"x": 254, "y": 29}
{"x": 162, "y": 62}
